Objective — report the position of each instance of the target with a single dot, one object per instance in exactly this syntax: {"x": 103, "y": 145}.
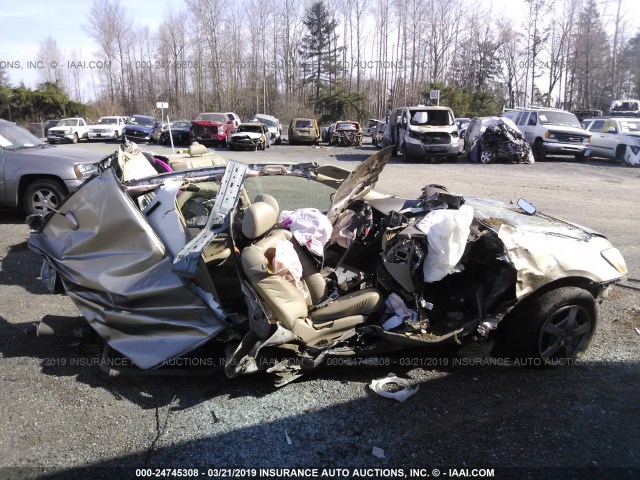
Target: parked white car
{"x": 107, "y": 128}
{"x": 69, "y": 129}
{"x": 617, "y": 138}
{"x": 273, "y": 125}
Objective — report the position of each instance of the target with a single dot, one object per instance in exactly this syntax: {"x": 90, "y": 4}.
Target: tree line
{"x": 354, "y": 58}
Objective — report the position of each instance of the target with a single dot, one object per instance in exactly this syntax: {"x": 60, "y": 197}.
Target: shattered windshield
{"x": 250, "y": 128}
{"x": 268, "y": 123}
{"x": 559, "y": 118}
{"x": 13, "y": 137}
{"x": 212, "y": 117}
{"x": 107, "y": 121}
{"x": 438, "y": 118}
{"x": 145, "y": 121}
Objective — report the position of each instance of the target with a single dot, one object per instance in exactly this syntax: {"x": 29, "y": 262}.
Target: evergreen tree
{"x": 319, "y": 47}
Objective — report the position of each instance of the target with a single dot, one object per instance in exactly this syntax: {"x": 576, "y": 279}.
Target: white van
{"x": 423, "y": 132}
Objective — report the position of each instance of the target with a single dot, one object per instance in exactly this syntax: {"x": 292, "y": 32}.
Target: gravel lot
{"x": 62, "y": 417}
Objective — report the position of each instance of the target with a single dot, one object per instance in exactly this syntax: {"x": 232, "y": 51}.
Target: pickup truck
{"x": 69, "y": 130}
{"x": 616, "y": 138}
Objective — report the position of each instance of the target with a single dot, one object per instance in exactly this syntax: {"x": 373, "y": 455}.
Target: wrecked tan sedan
{"x": 285, "y": 267}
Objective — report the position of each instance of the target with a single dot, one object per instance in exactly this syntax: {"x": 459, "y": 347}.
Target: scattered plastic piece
{"x": 638, "y": 331}
{"x": 400, "y": 395}
{"x": 286, "y": 435}
{"x": 377, "y": 452}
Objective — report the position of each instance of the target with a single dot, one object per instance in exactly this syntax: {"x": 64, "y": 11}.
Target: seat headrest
{"x": 197, "y": 149}
{"x": 258, "y": 219}
{"x": 266, "y": 198}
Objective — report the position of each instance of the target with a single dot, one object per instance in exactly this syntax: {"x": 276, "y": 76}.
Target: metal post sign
{"x": 162, "y": 106}
{"x": 435, "y": 95}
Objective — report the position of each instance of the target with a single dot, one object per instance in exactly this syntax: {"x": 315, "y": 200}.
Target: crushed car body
{"x": 490, "y": 139}
{"x": 214, "y": 256}
{"x": 346, "y": 134}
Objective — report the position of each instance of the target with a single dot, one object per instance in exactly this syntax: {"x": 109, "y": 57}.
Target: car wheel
{"x": 555, "y": 326}
{"x": 231, "y": 147}
{"x": 620, "y": 152}
{"x": 538, "y": 151}
{"x": 75, "y": 138}
{"x": 580, "y": 157}
{"x": 486, "y": 156}
{"x": 42, "y": 193}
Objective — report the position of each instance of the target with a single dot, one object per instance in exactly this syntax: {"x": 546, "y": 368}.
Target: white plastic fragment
{"x": 377, "y": 452}
{"x": 638, "y": 331}
{"x": 407, "y": 391}
{"x": 396, "y": 305}
{"x": 286, "y": 435}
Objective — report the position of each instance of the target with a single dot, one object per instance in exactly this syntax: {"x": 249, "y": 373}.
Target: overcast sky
{"x": 23, "y": 25}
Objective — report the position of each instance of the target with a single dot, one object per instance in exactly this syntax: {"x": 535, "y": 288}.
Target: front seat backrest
{"x": 258, "y": 219}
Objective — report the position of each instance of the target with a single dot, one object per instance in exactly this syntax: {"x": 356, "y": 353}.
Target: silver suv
{"x": 424, "y": 132}
{"x": 551, "y": 131}
{"x": 36, "y": 175}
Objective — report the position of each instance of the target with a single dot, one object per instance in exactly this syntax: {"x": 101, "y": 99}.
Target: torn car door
{"x": 120, "y": 276}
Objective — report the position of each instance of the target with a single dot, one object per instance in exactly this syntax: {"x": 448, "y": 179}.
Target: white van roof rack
{"x": 542, "y": 107}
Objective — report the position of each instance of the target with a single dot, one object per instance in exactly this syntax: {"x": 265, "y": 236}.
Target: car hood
{"x": 568, "y": 129}
{"x": 206, "y": 123}
{"x": 61, "y": 129}
{"x": 360, "y": 182}
{"x": 138, "y": 128}
{"x": 252, "y": 135}
{"x": 495, "y": 214}
{"x": 61, "y": 154}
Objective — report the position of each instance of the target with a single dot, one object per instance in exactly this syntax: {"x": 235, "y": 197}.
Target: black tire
{"x": 75, "y": 138}
{"x": 552, "y": 328}
{"x": 620, "y": 149}
{"x": 39, "y": 191}
{"x": 538, "y": 151}
{"x": 230, "y": 147}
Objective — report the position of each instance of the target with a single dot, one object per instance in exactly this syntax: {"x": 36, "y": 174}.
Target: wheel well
{"x": 27, "y": 180}
{"x": 594, "y": 288}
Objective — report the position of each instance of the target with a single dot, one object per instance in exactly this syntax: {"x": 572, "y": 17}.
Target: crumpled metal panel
{"x": 119, "y": 274}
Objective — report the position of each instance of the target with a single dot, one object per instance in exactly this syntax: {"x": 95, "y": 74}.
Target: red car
{"x": 211, "y": 129}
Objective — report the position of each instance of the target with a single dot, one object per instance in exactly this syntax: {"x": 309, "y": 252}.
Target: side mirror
{"x": 528, "y": 208}
{"x": 612, "y": 130}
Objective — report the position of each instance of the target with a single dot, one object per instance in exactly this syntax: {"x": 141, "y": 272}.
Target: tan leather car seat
{"x": 283, "y": 299}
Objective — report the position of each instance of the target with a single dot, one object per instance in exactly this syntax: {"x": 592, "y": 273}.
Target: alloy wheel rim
{"x": 41, "y": 198}
{"x": 565, "y": 333}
